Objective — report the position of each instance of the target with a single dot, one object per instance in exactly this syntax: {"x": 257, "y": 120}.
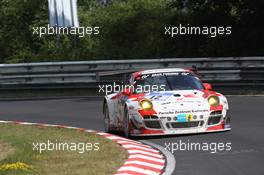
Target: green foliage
{"x": 132, "y": 29}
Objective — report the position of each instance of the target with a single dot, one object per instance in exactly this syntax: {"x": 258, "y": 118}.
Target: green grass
{"x": 16, "y": 145}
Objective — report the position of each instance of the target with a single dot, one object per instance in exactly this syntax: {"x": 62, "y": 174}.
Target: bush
{"x": 132, "y": 29}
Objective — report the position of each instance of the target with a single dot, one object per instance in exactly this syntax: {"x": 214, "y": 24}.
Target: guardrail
{"x": 228, "y": 71}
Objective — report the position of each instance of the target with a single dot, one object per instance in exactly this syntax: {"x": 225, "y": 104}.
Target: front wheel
{"x": 126, "y": 124}
{"x": 227, "y": 121}
{"x": 106, "y": 120}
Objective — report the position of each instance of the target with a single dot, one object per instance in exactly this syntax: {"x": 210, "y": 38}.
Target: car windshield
{"x": 167, "y": 81}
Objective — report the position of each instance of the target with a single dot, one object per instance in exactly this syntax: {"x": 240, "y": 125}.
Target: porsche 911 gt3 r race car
{"x": 179, "y": 103}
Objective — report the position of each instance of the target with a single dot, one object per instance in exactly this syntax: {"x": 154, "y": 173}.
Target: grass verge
{"x": 18, "y": 157}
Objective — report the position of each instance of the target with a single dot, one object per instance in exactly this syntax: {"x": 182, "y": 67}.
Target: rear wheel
{"x": 106, "y": 120}
{"x": 126, "y": 124}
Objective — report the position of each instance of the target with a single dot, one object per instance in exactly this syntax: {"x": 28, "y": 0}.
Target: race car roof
{"x": 152, "y": 71}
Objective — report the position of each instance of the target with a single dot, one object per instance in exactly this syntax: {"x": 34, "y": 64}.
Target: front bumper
{"x": 213, "y": 122}
{"x": 151, "y": 133}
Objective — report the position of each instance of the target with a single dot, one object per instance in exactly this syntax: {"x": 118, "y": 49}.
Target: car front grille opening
{"x": 153, "y": 124}
{"x": 150, "y": 117}
{"x": 216, "y": 113}
{"x": 214, "y": 120}
{"x": 174, "y": 125}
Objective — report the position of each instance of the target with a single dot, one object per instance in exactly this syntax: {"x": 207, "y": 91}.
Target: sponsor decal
{"x": 164, "y": 74}
{"x": 184, "y": 117}
{"x": 192, "y": 111}
{"x": 181, "y": 118}
{"x": 166, "y": 103}
{"x": 200, "y": 110}
{"x": 158, "y": 96}
{"x": 182, "y": 112}
{"x": 166, "y": 113}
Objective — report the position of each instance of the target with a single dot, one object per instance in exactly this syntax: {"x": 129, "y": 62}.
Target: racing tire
{"x": 107, "y": 120}
{"x": 126, "y": 124}
{"x": 228, "y": 120}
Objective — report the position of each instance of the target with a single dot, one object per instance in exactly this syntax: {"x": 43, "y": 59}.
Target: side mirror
{"x": 127, "y": 92}
{"x": 207, "y": 86}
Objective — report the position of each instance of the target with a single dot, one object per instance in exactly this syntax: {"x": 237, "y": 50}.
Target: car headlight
{"x": 146, "y": 104}
{"x": 213, "y": 101}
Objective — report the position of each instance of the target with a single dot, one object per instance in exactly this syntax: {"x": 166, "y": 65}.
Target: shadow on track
{"x": 165, "y": 136}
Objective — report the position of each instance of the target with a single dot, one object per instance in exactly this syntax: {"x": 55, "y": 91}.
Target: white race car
{"x": 163, "y": 102}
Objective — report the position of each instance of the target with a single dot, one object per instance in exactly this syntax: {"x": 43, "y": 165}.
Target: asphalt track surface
{"x": 246, "y": 137}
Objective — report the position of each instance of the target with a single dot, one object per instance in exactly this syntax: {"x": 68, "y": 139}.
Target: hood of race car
{"x": 183, "y": 101}
{"x": 177, "y": 99}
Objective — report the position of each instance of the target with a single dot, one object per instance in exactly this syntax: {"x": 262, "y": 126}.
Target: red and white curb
{"x": 142, "y": 159}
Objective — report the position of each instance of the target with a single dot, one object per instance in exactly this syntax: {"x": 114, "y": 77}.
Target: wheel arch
{"x": 104, "y": 105}
{"x": 109, "y": 104}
